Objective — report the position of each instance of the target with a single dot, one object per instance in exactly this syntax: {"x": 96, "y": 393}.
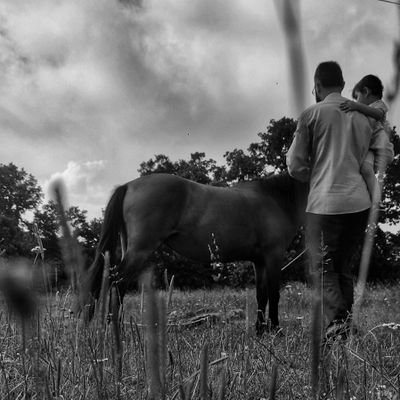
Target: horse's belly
{"x": 224, "y": 243}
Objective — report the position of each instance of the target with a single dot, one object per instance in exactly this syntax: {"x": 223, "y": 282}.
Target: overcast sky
{"x": 91, "y": 88}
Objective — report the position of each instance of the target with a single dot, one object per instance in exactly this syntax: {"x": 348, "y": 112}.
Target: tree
{"x": 92, "y": 234}
{"x": 264, "y": 157}
{"x": 242, "y": 166}
{"x": 13, "y": 239}
{"x": 19, "y": 193}
{"x": 275, "y": 143}
{"x": 87, "y": 233}
{"x": 47, "y": 222}
{"x": 78, "y": 220}
{"x": 160, "y": 164}
{"x": 198, "y": 168}
{"x": 391, "y": 194}
{"x": 384, "y": 266}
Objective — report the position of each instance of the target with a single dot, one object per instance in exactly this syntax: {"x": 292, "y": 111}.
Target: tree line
{"x": 21, "y": 195}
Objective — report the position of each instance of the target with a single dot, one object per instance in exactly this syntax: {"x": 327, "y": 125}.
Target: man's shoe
{"x": 336, "y": 331}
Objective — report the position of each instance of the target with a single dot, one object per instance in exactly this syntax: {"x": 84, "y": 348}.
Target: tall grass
{"x": 163, "y": 357}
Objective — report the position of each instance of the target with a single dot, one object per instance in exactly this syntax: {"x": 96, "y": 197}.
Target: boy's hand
{"x": 348, "y": 105}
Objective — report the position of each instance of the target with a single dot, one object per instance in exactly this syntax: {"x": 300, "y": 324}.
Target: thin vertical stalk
{"x": 70, "y": 249}
{"x": 117, "y": 336}
{"x": 247, "y": 316}
{"x": 274, "y": 382}
{"x": 368, "y": 243}
{"x": 222, "y": 389}
{"x": 317, "y": 271}
{"x": 340, "y": 384}
{"x": 365, "y": 380}
{"x": 315, "y": 345}
{"x": 100, "y": 310}
{"x": 153, "y": 351}
{"x": 204, "y": 373}
{"x": 288, "y": 11}
{"x": 166, "y": 285}
{"x": 170, "y": 291}
{"x": 163, "y": 345}
{"x": 58, "y": 382}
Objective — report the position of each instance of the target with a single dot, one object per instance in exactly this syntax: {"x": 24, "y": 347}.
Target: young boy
{"x": 368, "y": 95}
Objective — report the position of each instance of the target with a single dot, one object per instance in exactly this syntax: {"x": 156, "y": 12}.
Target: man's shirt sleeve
{"x": 298, "y": 155}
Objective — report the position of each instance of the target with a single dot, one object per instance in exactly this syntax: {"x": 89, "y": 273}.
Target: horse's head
{"x": 290, "y": 193}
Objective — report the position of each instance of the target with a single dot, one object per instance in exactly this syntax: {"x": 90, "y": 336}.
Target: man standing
{"x": 328, "y": 149}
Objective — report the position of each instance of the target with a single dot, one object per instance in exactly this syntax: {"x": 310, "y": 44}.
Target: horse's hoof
{"x": 260, "y": 331}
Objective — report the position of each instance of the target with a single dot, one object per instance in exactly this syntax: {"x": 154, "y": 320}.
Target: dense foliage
{"x": 20, "y": 195}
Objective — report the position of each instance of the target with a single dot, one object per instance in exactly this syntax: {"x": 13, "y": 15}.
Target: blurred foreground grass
{"x": 54, "y": 356}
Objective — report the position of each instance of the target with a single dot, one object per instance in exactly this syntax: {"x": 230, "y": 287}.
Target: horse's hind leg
{"x": 129, "y": 270}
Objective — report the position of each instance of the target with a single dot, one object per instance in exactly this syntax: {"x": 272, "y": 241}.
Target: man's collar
{"x": 333, "y": 95}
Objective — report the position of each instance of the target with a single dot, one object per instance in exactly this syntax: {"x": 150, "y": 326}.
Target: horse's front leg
{"x": 262, "y": 297}
{"x": 273, "y": 267}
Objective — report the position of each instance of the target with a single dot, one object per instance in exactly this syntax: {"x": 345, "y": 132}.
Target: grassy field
{"x": 202, "y": 345}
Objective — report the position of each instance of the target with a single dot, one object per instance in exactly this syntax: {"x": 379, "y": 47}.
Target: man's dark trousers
{"x": 333, "y": 241}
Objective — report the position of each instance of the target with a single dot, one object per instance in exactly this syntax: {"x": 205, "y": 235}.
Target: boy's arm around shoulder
{"x": 377, "y": 113}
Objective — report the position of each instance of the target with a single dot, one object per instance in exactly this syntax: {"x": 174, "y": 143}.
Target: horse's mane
{"x": 282, "y": 186}
{"x": 272, "y": 183}
{"x": 281, "y": 181}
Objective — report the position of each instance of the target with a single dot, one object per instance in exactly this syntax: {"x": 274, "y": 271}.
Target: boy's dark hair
{"x": 329, "y": 74}
{"x": 372, "y": 82}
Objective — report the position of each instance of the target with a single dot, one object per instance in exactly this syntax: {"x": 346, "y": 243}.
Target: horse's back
{"x": 169, "y": 198}
{"x": 154, "y": 197}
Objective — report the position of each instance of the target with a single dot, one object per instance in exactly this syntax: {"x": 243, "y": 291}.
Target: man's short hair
{"x": 372, "y": 82}
{"x": 329, "y": 74}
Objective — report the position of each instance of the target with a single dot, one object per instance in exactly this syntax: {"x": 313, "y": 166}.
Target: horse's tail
{"x": 113, "y": 225}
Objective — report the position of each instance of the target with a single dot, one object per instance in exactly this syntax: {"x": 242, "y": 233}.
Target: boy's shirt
{"x": 381, "y": 105}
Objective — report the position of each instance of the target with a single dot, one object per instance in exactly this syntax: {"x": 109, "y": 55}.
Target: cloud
{"x": 142, "y": 70}
{"x": 85, "y": 183}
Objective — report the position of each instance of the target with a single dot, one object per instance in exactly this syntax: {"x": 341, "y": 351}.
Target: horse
{"x": 250, "y": 221}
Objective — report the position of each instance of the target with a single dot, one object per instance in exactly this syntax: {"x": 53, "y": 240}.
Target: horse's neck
{"x": 294, "y": 198}
{"x": 300, "y": 195}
